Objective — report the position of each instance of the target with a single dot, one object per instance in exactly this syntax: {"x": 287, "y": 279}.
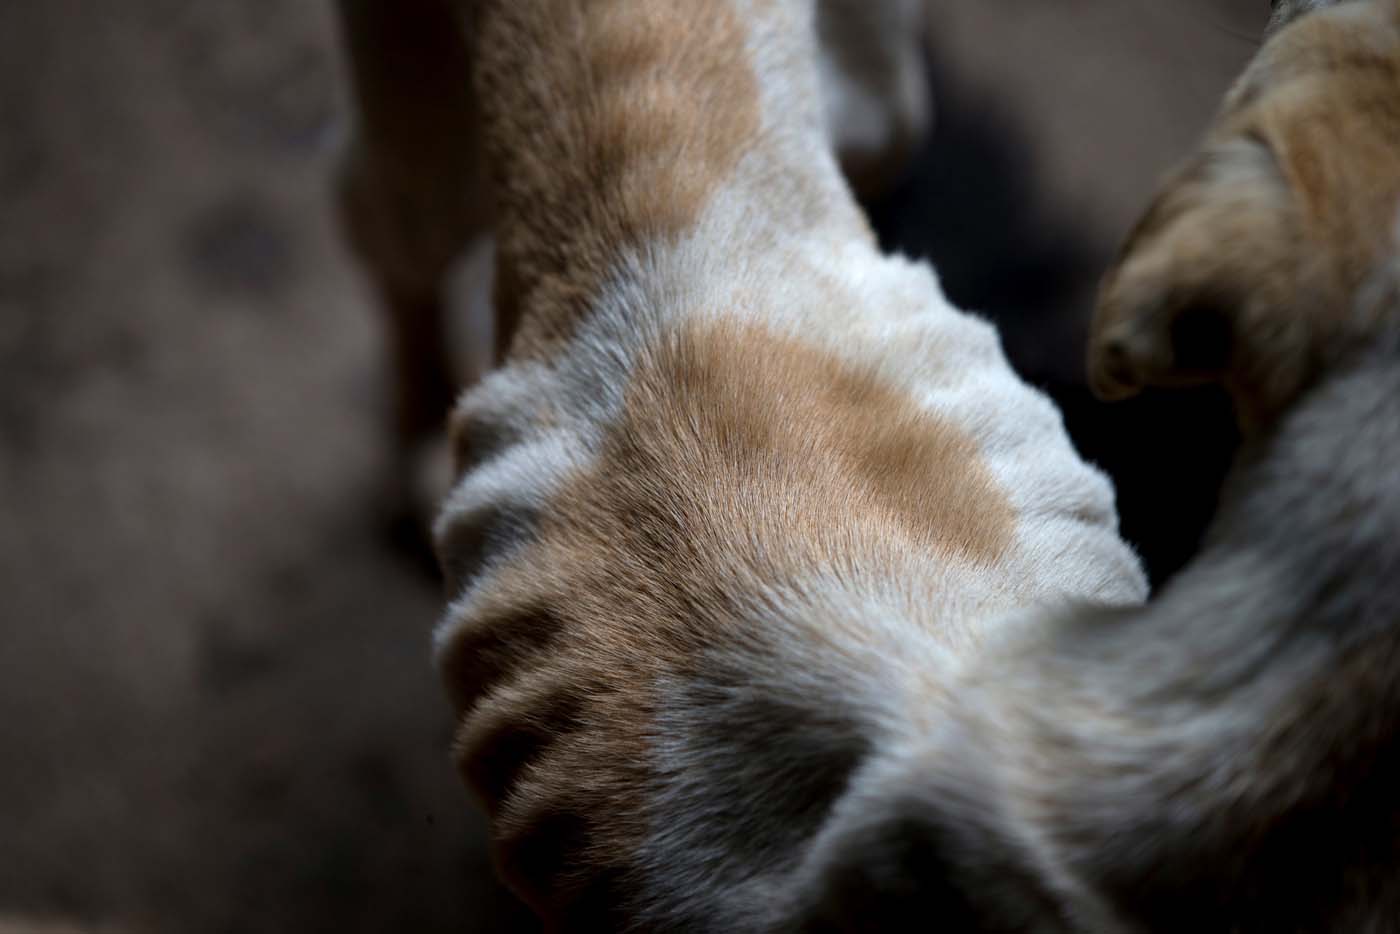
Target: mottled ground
{"x": 216, "y": 708}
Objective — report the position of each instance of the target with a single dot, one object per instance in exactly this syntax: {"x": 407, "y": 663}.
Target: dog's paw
{"x": 1211, "y": 286}
{"x": 1249, "y": 266}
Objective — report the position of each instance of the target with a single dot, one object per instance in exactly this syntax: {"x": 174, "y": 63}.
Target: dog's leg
{"x": 1287, "y": 11}
{"x": 412, "y": 199}
{"x": 875, "y": 87}
{"x": 1246, "y": 267}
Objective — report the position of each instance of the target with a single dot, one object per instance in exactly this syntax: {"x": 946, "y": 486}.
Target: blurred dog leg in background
{"x": 412, "y": 202}
{"x": 875, "y": 84}
{"x": 414, "y": 197}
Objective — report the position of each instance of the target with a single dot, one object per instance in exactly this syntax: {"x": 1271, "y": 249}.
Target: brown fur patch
{"x": 743, "y": 462}
{"x": 1273, "y": 227}
{"x": 590, "y": 117}
{"x": 745, "y": 412}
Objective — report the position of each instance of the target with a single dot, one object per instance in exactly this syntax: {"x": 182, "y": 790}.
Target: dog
{"x": 778, "y": 601}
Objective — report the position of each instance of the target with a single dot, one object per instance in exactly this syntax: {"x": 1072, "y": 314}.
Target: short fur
{"x": 1225, "y": 758}
{"x": 781, "y": 604}
{"x": 745, "y": 491}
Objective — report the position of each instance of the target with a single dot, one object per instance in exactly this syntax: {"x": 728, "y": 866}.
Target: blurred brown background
{"x": 216, "y": 708}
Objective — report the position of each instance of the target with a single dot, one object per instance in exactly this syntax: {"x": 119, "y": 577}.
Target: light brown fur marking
{"x": 630, "y": 579}
{"x": 593, "y": 142}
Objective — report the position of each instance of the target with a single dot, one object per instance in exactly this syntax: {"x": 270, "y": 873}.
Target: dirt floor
{"x": 216, "y": 708}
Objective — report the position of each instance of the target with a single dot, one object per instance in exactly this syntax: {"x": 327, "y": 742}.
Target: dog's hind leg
{"x": 412, "y": 197}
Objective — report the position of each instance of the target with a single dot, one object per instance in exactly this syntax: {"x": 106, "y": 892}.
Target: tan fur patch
{"x": 745, "y": 411}
{"x": 592, "y": 137}
{"x": 744, "y": 462}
